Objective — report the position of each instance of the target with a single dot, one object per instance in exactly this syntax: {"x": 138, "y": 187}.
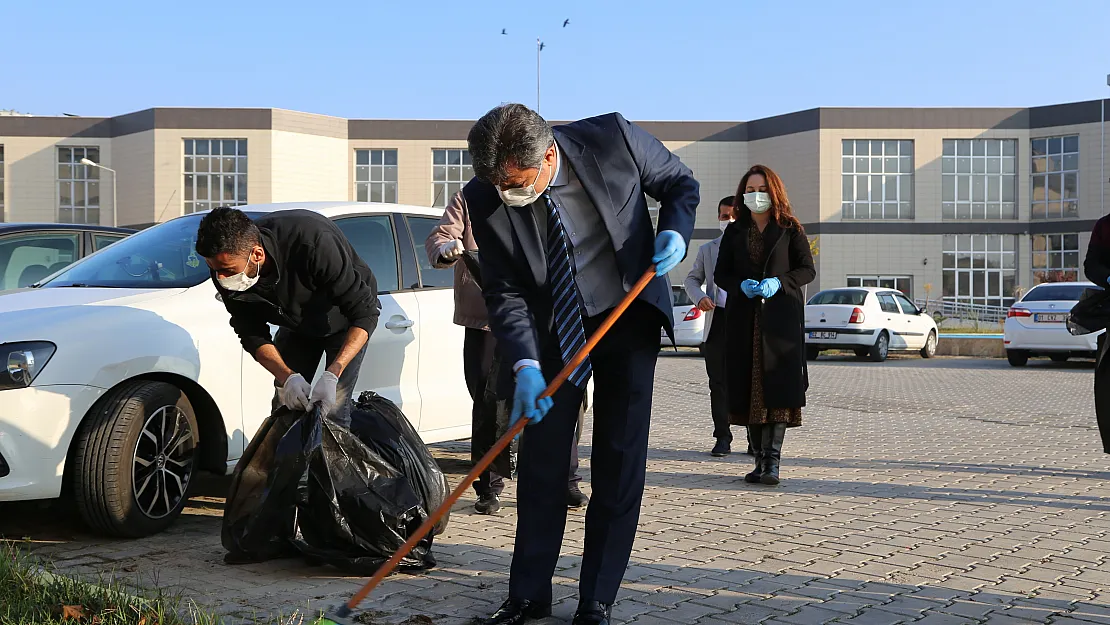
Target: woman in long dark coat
{"x": 763, "y": 264}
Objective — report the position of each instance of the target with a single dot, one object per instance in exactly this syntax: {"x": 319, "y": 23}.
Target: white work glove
{"x": 451, "y": 250}
{"x": 294, "y": 393}
{"x": 324, "y": 392}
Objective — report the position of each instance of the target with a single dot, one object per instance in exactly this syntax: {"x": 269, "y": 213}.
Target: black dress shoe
{"x": 487, "y": 504}
{"x": 722, "y": 448}
{"x": 576, "y": 498}
{"x": 593, "y": 613}
{"x": 516, "y": 611}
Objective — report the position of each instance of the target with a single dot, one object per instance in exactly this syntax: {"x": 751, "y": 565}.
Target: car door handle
{"x": 399, "y": 324}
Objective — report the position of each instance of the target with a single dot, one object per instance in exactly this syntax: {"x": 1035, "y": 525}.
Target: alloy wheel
{"x": 163, "y": 462}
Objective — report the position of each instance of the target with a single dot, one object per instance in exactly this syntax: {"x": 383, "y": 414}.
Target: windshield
{"x": 160, "y": 257}
{"x": 846, "y": 297}
{"x": 1056, "y": 293}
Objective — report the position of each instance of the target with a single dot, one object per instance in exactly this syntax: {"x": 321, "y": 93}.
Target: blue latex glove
{"x": 769, "y": 287}
{"x": 750, "y": 288}
{"x": 526, "y": 398}
{"x": 670, "y": 247}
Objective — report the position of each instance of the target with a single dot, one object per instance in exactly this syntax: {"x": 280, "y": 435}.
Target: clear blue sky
{"x": 651, "y": 60}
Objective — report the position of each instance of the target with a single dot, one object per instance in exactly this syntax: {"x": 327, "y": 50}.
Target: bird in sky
{"x": 565, "y": 22}
{"x": 542, "y": 46}
{"x": 503, "y": 32}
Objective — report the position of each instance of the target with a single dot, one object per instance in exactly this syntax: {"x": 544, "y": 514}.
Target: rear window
{"x": 681, "y": 298}
{"x": 846, "y": 297}
{"x": 1056, "y": 292}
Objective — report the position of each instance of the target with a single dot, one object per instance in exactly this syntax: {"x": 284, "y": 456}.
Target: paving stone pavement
{"x": 937, "y": 492}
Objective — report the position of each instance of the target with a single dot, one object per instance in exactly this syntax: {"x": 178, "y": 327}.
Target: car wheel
{"x": 812, "y": 353}
{"x": 1017, "y": 357}
{"x": 134, "y": 459}
{"x": 1060, "y": 357}
{"x": 930, "y": 348}
{"x": 881, "y": 349}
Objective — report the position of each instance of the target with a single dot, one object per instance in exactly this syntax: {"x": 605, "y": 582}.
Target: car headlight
{"x": 23, "y": 362}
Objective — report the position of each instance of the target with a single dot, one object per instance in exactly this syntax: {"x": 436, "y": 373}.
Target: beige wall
{"x": 795, "y": 158}
{"x": 31, "y": 177}
{"x": 307, "y": 168}
{"x": 134, "y": 157}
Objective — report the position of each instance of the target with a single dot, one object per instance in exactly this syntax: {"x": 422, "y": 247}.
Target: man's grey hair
{"x": 511, "y": 135}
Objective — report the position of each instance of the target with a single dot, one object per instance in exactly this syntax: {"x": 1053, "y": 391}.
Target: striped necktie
{"x": 568, "y": 312}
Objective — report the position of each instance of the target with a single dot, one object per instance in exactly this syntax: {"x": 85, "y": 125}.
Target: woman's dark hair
{"x": 511, "y": 135}
{"x": 781, "y": 212}
{"x": 226, "y": 231}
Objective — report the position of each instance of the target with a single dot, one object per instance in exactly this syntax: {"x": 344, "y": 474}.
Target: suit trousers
{"x": 624, "y": 375}
{"x": 302, "y": 355}
{"x": 715, "y": 352}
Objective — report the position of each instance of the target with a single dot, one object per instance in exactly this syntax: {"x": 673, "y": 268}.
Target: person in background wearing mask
{"x": 294, "y": 269}
{"x": 711, "y": 301}
{"x": 764, "y": 262}
{"x": 445, "y": 246}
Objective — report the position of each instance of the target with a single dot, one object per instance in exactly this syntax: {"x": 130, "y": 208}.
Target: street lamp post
{"x": 115, "y": 211}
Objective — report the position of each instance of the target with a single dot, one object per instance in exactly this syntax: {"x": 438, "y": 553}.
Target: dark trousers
{"x": 715, "y": 352}
{"x": 302, "y": 355}
{"x": 1102, "y": 393}
{"x": 624, "y": 374}
{"x": 479, "y": 352}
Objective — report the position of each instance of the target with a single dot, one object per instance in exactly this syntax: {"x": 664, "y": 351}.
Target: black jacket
{"x": 313, "y": 283}
{"x": 785, "y": 377}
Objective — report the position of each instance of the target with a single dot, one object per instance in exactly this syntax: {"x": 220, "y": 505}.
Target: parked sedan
{"x": 870, "y": 321}
{"x": 1036, "y": 325}
{"x": 689, "y": 321}
{"x": 31, "y": 252}
{"x": 123, "y": 376}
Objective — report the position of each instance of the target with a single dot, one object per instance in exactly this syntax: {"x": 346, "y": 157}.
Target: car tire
{"x": 1060, "y": 357}
{"x": 1017, "y": 357}
{"x": 930, "y": 348}
{"x": 881, "y": 349}
{"x": 812, "y": 353}
{"x": 134, "y": 458}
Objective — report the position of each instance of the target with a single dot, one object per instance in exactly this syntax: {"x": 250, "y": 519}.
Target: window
{"x": 1, "y": 183}
{"x": 1055, "y": 177}
{"x": 451, "y": 170}
{"x": 101, "y": 241}
{"x": 373, "y": 240}
{"x": 215, "y": 173}
{"x": 26, "y": 259}
{"x": 887, "y": 303}
{"x": 979, "y": 179}
{"x": 1055, "y": 258}
{"x": 842, "y": 297}
{"x": 376, "y": 176}
{"x": 877, "y": 179}
{"x": 908, "y": 307}
{"x": 430, "y": 277}
{"x": 979, "y": 269}
{"x": 78, "y": 186}
{"x": 902, "y": 283}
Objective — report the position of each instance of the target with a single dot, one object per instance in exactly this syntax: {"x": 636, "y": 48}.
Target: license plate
{"x": 825, "y": 336}
{"x": 1050, "y": 318}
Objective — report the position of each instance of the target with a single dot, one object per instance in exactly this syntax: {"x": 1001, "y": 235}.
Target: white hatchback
{"x": 689, "y": 321}
{"x": 1036, "y": 325}
{"x": 869, "y": 321}
{"x": 123, "y": 376}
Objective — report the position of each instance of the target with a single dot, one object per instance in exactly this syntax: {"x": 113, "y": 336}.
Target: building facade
{"x": 967, "y": 204}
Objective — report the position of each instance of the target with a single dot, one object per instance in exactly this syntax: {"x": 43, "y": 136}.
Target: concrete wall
{"x": 134, "y": 154}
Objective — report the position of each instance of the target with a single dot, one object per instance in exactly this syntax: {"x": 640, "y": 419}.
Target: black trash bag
{"x": 357, "y": 508}
{"x": 1091, "y": 313}
{"x": 381, "y": 425}
{"x": 260, "y": 509}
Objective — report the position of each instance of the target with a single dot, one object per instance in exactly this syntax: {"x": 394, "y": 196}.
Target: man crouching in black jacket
{"x": 296, "y": 270}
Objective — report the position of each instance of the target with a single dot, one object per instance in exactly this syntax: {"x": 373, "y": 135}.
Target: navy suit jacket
{"x": 617, "y": 163}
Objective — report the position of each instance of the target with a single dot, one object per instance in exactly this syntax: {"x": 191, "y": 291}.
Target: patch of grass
{"x": 32, "y": 593}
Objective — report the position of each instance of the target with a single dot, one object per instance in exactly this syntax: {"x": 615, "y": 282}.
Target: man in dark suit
{"x": 563, "y": 233}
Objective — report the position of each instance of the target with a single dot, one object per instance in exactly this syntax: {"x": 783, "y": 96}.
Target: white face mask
{"x": 240, "y": 281}
{"x": 524, "y": 195}
{"x": 724, "y": 224}
{"x": 758, "y": 202}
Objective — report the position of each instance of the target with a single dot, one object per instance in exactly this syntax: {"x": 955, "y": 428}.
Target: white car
{"x": 872, "y": 322}
{"x": 123, "y": 377}
{"x": 689, "y": 321}
{"x": 1036, "y": 325}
